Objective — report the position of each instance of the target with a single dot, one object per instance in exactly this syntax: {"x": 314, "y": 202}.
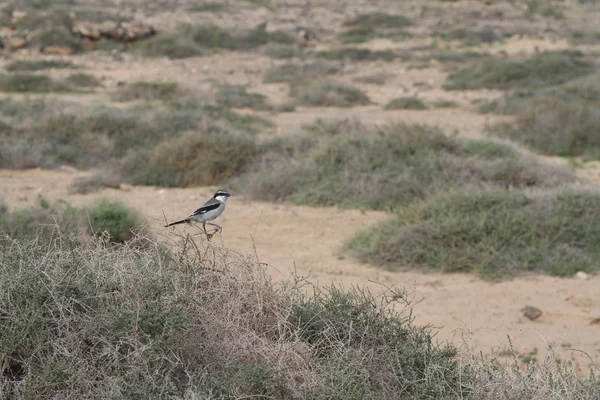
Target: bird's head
{"x": 221, "y": 195}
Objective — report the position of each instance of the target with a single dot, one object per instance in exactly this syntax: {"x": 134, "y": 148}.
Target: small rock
{"x": 582, "y": 275}
{"x": 595, "y": 321}
{"x": 531, "y": 312}
{"x": 126, "y": 187}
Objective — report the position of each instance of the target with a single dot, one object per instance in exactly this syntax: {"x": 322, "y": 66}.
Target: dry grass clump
{"x": 297, "y": 74}
{"x": 236, "y": 96}
{"x": 556, "y": 127}
{"x": 38, "y": 65}
{"x": 193, "y": 40}
{"x": 281, "y": 50}
{"x": 85, "y": 318}
{"x": 82, "y": 80}
{"x": 148, "y": 91}
{"x": 562, "y": 120}
{"x": 344, "y": 163}
{"x": 109, "y": 218}
{"x": 31, "y": 83}
{"x": 405, "y": 103}
{"x": 492, "y": 233}
{"x": 470, "y": 37}
{"x": 320, "y": 93}
{"x": 358, "y": 54}
{"x": 376, "y": 20}
{"x": 374, "y": 79}
{"x": 540, "y": 70}
{"x": 195, "y": 159}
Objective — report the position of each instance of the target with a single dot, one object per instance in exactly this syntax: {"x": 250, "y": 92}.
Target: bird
{"x": 209, "y": 211}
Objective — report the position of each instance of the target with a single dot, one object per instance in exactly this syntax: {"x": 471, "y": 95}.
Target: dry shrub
{"x": 88, "y": 318}
{"x": 187, "y": 318}
{"x": 329, "y": 94}
{"x": 492, "y": 233}
{"x": 405, "y": 103}
{"x": 202, "y": 158}
{"x": 344, "y": 163}
{"x": 297, "y": 74}
{"x": 540, "y": 70}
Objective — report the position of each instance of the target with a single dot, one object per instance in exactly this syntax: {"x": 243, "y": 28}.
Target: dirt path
{"x": 310, "y": 240}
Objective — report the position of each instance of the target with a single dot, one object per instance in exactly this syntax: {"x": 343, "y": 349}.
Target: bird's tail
{"x": 176, "y": 223}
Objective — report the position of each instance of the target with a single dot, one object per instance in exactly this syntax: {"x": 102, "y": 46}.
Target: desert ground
{"x": 465, "y": 309}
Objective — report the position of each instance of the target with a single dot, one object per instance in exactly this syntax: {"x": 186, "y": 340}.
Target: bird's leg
{"x": 208, "y": 236}
{"x": 217, "y": 227}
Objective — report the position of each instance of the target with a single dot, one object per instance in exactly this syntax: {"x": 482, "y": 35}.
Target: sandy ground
{"x": 309, "y": 240}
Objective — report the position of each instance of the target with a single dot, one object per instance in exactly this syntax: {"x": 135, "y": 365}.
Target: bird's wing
{"x": 209, "y": 205}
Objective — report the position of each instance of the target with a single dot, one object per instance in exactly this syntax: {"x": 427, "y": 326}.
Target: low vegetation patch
{"x": 556, "y": 127}
{"x": 38, "y": 65}
{"x": 206, "y": 322}
{"x": 377, "y": 20}
{"x": 148, "y": 91}
{"x": 196, "y": 159}
{"x": 83, "y": 80}
{"x": 492, "y": 233}
{"x": 470, "y": 37}
{"x": 112, "y": 217}
{"x": 170, "y": 45}
{"x": 343, "y": 163}
{"x": 193, "y": 40}
{"x": 31, "y": 83}
{"x": 297, "y": 74}
{"x": 235, "y": 96}
{"x": 374, "y": 79}
{"x": 405, "y": 103}
{"x": 43, "y": 218}
{"x": 358, "y": 54}
{"x": 540, "y": 70}
{"x": 328, "y": 94}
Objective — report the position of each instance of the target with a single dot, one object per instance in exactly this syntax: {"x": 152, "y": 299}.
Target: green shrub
{"x": 328, "y": 94}
{"x": 405, "y": 103}
{"x": 279, "y": 50}
{"x": 30, "y": 83}
{"x": 343, "y": 163}
{"x": 540, "y": 70}
{"x": 492, "y": 233}
{"x": 83, "y": 80}
{"x": 376, "y": 20}
{"x": 58, "y": 36}
{"x": 38, "y": 65}
{"x": 445, "y": 104}
{"x": 374, "y": 79}
{"x": 235, "y": 96}
{"x": 112, "y": 217}
{"x": 148, "y": 91}
{"x": 358, "y": 54}
{"x": 357, "y": 35}
{"x": 192, "y": 160}
{"x": 556, "y": 127}
{"x": 39, "y": 219}
{"x": 297, "y": 74}
{"x": 170, "y": 45}
{"x": 234, "y": 122}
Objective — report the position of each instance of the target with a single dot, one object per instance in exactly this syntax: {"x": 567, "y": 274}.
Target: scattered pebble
{"x": 582, "y": 275}
{"x": 531, "y": 312}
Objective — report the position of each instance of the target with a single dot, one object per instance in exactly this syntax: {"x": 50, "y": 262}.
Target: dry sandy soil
{"x": 465, "y": 308}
